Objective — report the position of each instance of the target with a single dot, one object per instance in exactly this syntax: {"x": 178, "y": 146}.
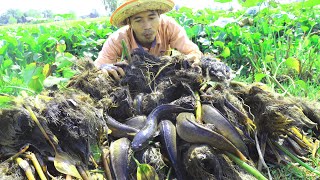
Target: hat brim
{"x": 136, "y": 6}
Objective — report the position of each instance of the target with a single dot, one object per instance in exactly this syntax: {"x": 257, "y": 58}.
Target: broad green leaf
{"x": 302, "y": 84}
{"x": 70, "y": 56}
{"x": 36, "y": 84}
{"x": 51, "y": 81}
{"x": 250, "y": 3}
{"x": 46, "y": 69}
{"x": 64, "y": 60}
{"x": 225, "y": 53}
{"x": 259, "y": 76}
{"x": 7, "y": 63}
{"x": 5, "y": 101}
{"x": 289, "y": 32}
{"x": 36, "y": 56}
{"x": 305, "y": 28}
{"x": 68, "y": 72}
{"x": 146, "y": 172}
{"x": 218, "y": 44}
{"x": 315, "y": 39}
{"x": 293, "y": 63}
{"x": 61, "y": 46}
{"x": 29, "y": 71}
{"x": 268, "y": 59}
{"x": 196, "y": 29}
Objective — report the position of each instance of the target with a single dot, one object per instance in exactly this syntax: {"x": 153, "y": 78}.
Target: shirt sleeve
{"x": 111, "y": 50}
{"x": 181, "y": 42}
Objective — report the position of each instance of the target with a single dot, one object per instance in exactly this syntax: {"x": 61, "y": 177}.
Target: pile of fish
{"x": 182, "y": 121}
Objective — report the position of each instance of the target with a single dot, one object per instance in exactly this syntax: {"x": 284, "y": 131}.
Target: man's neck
{"x": 145, "y": 45}
{"x": 148, "y": 45}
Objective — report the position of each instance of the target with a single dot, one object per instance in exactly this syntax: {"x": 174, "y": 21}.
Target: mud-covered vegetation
{"x": 184, "y": 122}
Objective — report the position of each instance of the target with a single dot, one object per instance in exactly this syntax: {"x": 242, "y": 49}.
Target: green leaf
{"x": 225, "y": 53}
{"x": 29, "y": 72}
{"x": 305, "y": 28}
{"x": 51, "y": 81}
{"x": 218, "y": 44}
{"x": 7, "y": 63}
{"x": 302, "y": 84}
{"x": 68, "y": 72}
{"x": 196, "y": 29}
{"x": 146, "y": 172}
{"x": 36, "y": 84}
{"x": 269, "y": 58}
{"x": 61, "y": 46}
{"x": 96, "y": 152}
{"x": 293, "y": 63}
{"x": 259, "y": 76}
{"x": 315, "y": 39}
{"x": 46, "y": 69}
{"x": 250, "y": 3}
{"x": 36, "y": 57}
{"x": 64, "y": 60}
{"x": 5, "y": 101}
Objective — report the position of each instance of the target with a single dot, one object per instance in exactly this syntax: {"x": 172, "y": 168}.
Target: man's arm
{"x": 110, "y": 52}
{"x": 180, "y": 41}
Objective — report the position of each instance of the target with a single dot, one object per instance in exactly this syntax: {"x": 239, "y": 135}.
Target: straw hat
{"x": 132, "y": 7}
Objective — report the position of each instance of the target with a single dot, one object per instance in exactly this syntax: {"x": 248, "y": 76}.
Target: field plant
{"x": 275, "y": 44}
{"x": 30, "y": 54}
{"x": 270, "y": 43}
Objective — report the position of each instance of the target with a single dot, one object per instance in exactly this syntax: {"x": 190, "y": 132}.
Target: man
{"x": 143, "y": 25}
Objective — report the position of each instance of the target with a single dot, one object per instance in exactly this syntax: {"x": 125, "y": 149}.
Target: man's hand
{"x": 195, "y": 64}
{"x": 115, "y": 70}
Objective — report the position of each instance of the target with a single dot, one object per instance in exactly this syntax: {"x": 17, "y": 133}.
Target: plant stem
{"x": 198, "y": 108}
{"x": 36, "y": 165}
{"x": 293, "y": 157}
{"x": 125, "y": 51}
{"x": 253, "y": 171}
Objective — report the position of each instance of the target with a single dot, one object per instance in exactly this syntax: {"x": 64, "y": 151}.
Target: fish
{"x": 121, "y": 128}
{"x": 211, "y": 115}
{"x": 119, "y": 151}
{"x": 137, "y": 103}
{"x": 142, "y": 138}
{"x": 193, "y": 132}
{"x": 136, "y": 121}
{"x": 168, "y": 135}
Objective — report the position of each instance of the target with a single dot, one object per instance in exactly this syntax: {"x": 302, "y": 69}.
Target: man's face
{"x": 145, "y": 26}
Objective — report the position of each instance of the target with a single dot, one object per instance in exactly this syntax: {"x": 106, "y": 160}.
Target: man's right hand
{"x": 115, "y": 70}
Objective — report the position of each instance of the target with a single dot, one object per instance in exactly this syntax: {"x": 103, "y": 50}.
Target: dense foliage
{"x": 276, "y": 45}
